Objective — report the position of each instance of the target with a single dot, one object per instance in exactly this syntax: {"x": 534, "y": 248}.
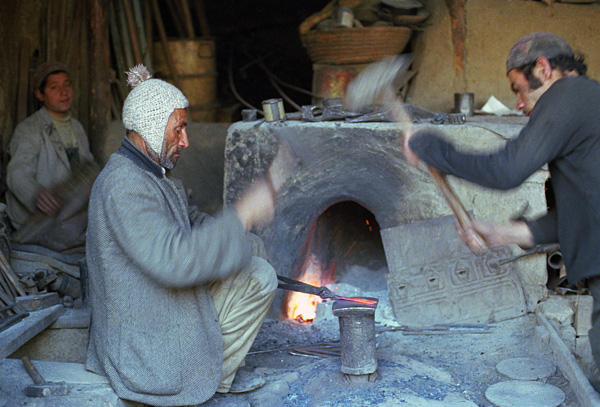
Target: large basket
{"x": 355, "y": 45}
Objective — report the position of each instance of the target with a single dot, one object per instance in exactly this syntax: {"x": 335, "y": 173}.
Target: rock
{"x": 518, "y": 393}
{"x": 558, "y": 308}
{"x": 526, "y": 368}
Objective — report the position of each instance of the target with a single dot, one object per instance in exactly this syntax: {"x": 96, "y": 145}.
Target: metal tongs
{"x": 325, "y": 293}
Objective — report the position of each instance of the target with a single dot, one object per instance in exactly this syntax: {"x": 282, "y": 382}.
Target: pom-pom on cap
{"x": 137, "y": 75}
{"x": 148, "y": 106}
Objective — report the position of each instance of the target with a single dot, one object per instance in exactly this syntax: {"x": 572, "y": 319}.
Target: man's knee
{"x": 263, "y": 274}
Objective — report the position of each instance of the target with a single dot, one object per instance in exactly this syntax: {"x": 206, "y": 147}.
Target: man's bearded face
{"x": 176, "y": 139}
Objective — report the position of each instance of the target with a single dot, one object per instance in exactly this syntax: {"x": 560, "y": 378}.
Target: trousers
{"x": 242, "y": 302}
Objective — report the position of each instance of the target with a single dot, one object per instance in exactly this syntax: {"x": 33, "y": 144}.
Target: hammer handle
{"x": 457, "y": 207}
{"x": 33, "y": 372}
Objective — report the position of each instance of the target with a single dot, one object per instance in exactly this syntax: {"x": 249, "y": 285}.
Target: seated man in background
{"x": 51, "y": 169}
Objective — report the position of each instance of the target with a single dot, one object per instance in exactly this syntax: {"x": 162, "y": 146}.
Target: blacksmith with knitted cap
{"x": 48, "y": 149}
{"x": 177, "y": 296}
{"x": 563, "y": 131}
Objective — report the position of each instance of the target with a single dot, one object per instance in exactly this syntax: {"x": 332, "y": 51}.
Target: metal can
{"x": 463, "y": 103}
{"x": 249, "y": 115}
{"x": 273, "y": 110}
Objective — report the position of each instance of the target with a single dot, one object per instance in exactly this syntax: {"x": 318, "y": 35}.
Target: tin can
{"x": 249, "y": 115}
{"x": 273, "y": 110}
{"x": 345, "y": 17}
{"x": 463, "y": 103}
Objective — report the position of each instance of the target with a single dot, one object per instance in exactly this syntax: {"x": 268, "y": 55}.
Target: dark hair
{"x": 562, "y": 62}
{"x": 45, "y": 80}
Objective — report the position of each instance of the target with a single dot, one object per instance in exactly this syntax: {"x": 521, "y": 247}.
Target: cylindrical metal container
{"x": 195, "y": 63}
{"x": 357, "y": 336}
{"x": 66, "y": 285}
{"x": 463, "y": 103}
{"x": 273, "y": 110}
{"x": 249, "y": 115}
{"x": 332, "y": 102}
{"x": 331, "y": 81}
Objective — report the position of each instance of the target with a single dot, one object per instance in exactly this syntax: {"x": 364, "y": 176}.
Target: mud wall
{"x": 490, "y": 28}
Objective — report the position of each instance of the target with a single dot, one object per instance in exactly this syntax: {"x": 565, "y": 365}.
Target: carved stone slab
{"x": 434, "y": 278}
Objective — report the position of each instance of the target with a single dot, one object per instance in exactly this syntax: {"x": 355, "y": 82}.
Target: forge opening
{"x": 343, "y": 245}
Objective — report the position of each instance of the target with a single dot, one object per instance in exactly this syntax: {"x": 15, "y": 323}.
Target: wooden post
{"x": 135, "y": 44}
{"x": 187, "y": 19}
{"x": 23, "y": 88}
{"x": 203, "y": 21}
{"x": 99, "y": 74}
{"x": 165, "y": 43}
{"x": 456, "y": 9}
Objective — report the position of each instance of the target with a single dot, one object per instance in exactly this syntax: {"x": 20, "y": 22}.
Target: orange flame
{"x": 301, "y": 307}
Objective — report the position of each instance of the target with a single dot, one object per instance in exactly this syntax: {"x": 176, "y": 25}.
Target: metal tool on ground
{"x": 325, "y": 293}
{"x": 375, "y": 84}
{"x": 552, "y": 249}
{"x": 42, "y": 388}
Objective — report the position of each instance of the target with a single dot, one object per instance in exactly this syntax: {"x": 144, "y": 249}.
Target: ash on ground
{"x": 302, "y": 366}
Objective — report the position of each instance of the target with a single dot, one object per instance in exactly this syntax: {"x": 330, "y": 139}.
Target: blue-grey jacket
{"x": 38, "y": 159}
{"x": 154, "y": 331}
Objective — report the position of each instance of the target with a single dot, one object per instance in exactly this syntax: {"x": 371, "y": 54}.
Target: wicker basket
{"x": 355, "y": 45}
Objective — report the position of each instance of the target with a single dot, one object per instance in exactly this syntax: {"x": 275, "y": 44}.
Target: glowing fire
{"x": 302, "y": 307}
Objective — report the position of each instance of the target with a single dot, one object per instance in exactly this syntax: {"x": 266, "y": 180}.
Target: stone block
{"x": 542, "y": 336}
{"x": 583, "y": 353}
{"x": 558, "y": 308}
{"x": 584, "y": 305}
{"x": 567, "y": 334}
{"x": 38, "y": 301}
{"x": 434, "y": 278}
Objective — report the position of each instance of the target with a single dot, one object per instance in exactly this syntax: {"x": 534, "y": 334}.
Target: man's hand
{"x": 409, "y": 155}
{"x": 495, "y": 235}
{"x": 256, "y": 206}
{"x": 46, "y": 202}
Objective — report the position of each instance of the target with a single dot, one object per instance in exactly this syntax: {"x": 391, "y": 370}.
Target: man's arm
{"x": 496, "y": 235}
{"x": 24, "y": 149}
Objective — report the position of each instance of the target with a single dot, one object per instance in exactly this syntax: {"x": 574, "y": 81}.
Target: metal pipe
{"x": 555, "y": 260}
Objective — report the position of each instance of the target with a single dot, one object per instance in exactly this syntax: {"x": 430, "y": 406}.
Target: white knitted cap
{"x": 149, "y": 105}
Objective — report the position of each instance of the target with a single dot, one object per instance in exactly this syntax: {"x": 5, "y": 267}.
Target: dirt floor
{"x": 415, "y": 369}
{"x": 441, "y": 370}
{"x": 454, "y": 367}
{"x": 302, "y": 366}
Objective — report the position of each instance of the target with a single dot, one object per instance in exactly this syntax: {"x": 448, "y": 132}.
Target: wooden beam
{"x": 23, "y": 88}
{"x": 14, "y": 337}
{"x": 457, "y": 15}
{"x": 99, "y": 74}
{"x": 165, "y": 43}
{"x": 131, "y": 28}
{"x": 202, "y": 20}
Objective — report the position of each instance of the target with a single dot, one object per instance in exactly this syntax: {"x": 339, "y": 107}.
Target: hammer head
{"x": 375, "y": 83}
{"x": 47, "y": 389}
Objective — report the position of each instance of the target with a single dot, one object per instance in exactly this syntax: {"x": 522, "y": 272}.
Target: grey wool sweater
{"x": 154, "y": 329}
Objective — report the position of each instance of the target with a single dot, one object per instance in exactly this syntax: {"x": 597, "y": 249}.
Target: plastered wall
{"x": 491, "y": 27}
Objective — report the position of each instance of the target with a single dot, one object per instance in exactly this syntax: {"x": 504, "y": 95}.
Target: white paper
{"x": 494, "y": 106}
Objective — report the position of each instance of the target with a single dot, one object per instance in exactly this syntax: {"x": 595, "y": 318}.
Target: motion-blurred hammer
{"x": 375, "y": 85}
{"x": 42, "y": 388}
